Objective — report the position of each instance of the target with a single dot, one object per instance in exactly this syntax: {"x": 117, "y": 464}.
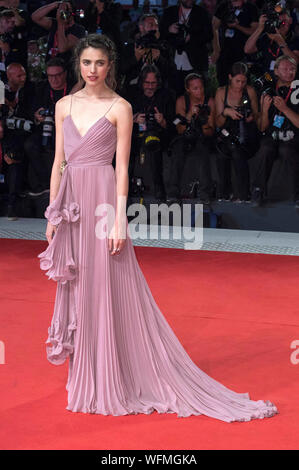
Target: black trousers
{"x": 13, "y": 181}
{"x": 179, "y": 157}
{"x": 269, "y": 151}
{"x": 239, "y": 160}
{"x": 40, "y": 161}
{"x": 154, "y": 157}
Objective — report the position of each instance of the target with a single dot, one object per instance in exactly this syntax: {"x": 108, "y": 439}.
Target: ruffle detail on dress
{"x": 60, "y": 342}
{"x": 58, "y": 258}
{"x": 67, "y": 213}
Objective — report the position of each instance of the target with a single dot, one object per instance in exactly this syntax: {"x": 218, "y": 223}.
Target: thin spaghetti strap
{"x": 111, "y": 106}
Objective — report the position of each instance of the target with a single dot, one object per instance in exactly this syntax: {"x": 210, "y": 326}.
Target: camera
{"x": 137, "y": 186}
{"x": 180, "y": 39}
{"x": 272, "y": 9}
{"x": 264, "y": 85}
{"x": 150, "y": 132}
{"x": 47, "y": 126}
{"x": 16, "y": 123}
{"x": 235, "y": 135}
{"x": 193, "y": 129}
{"x": 149, "y": 41}
{"x": 6, "y": 38}
{"x": 67, "y": 13}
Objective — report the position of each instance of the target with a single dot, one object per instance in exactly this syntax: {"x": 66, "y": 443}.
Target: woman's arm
{"x": 180, "y": 109}
{"x": 254, "y": 103}
{"x": 219, "y": 108}
{"x": 59, "y": 147}
{"x": 209, "y": 128}
{"x": 39, "y": 15}
{"x": 124, "y": 126}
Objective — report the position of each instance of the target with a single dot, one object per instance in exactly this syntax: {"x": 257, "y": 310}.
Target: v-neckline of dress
{"x": 91, "y": 127}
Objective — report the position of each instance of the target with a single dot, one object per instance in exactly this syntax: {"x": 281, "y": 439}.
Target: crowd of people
{"x": 202, "y": 78}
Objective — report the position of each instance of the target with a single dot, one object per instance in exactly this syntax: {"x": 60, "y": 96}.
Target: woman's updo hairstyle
{"x": 97, "y": 41}
{"x": 239, "y": 68}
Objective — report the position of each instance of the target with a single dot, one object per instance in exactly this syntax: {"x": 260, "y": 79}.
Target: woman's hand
{"x": 232, "y": 113}
{"x": 51, "y": 230}
{"x": 115, "y": 244}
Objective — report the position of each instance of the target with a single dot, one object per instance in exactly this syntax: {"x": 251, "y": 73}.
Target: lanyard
{"x": 288, "y": 94}
{"x": 272, "y": 53}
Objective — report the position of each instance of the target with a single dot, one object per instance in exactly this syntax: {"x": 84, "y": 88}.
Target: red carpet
{"x": 236, "y": 315}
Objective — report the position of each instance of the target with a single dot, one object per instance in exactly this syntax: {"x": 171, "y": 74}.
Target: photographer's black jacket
{"x": 43, "y": 97}
{"x": 23, "y": 107}
{"x": 200, "y": 30}
{"x": 163, "y": 99}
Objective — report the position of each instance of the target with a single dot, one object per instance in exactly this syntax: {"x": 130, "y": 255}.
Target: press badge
{"x": 272, "y": 64}
{"x": 229, "y": 33}
{"x": 278, "y": 121}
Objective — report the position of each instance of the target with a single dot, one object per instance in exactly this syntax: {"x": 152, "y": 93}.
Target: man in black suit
{"x": 188, "y": 28}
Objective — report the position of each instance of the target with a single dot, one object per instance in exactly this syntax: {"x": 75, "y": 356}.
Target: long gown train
{"x": 123, "y": 356}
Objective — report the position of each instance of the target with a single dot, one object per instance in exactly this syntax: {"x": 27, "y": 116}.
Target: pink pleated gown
{"x": 124, "y": 357}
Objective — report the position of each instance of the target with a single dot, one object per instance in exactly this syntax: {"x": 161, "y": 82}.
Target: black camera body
{"x": 264, "y": 85}
{"x": 204, "y": 111}
{"x": 180, "y": 40}
{"x": 193, "y": 130}
{"x": 272, "y": 9}
{"x": 67, "y": 13}
{"x": 6, "y": 38}
{"x": 149, "y": 41}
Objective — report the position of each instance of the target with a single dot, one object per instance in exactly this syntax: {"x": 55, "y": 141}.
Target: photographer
{"x": 16, "y": 115}
{"x": 153, "y": 110}
{"x": 233, "y": 21}
{"x": 279, "y": 122}
{"x": 64, "y": 32}
{"x": 147, "y": 49}
{"x": 11, "y": 169}
{"x": 273, "y": 38}
{"x": 39, "y": 146}
{"x": 12, "y": 48}
{"x": 103, "y": 17}
{"x": 188, "y": 28}
{"x": 196, "y": 114}
{"x": 237, "y": 139}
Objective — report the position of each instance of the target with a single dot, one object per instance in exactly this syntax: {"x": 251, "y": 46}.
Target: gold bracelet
{"x": 62, "y": 166}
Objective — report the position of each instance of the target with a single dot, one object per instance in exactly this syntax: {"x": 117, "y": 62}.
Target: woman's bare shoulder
{"x": 62, "y": 106}
{"x": 122, "y": 105}
{"x": 220, "y": 91}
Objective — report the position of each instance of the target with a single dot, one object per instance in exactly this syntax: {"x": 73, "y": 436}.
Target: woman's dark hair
{"x": 239, "y": 68}
{"x": 150, "y": 68}
{"x": 97, "y": 41}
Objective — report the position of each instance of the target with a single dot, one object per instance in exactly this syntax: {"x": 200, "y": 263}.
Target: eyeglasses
{"x": 55, "y": 75}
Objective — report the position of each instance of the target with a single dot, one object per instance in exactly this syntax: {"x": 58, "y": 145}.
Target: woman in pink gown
{"x": 124, "y": 357}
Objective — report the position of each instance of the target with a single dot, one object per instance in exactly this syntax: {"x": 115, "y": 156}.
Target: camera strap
{"x": 274, "y": 54}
